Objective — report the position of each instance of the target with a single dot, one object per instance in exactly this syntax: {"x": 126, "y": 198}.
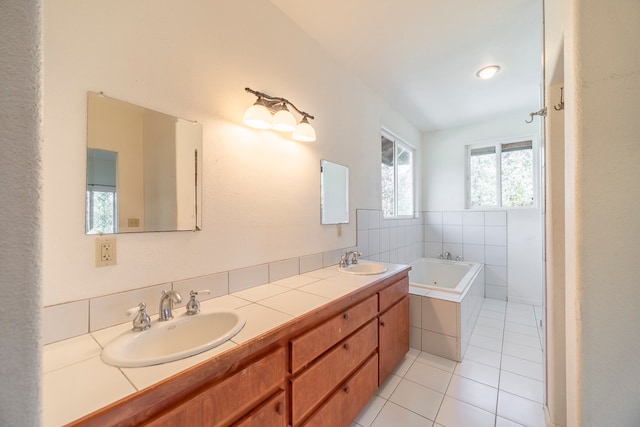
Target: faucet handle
{"x": 142, "y": 321}
{"x": 193, "y": 305}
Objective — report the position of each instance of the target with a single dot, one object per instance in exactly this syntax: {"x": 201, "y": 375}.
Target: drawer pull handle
{"x": 280, "y": 408}
{"x": 382, "y": 322}
{"x": 346, "y": 316}
{"x": 345, "y": 388}
{"x": 346, "y": 346}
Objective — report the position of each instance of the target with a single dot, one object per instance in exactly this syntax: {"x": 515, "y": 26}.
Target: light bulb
{"x": 304, "y": 132}
{"x": 488, "y": 72}
{"x": 283, "y": 120}
{"x": 257, "y": 116}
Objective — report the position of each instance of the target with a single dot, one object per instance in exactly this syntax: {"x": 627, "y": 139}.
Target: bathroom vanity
{"x": 318, "y": 369}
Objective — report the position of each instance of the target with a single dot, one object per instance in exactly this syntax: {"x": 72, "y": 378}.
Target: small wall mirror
{"x": 334, "y": 193}
{"x": 144, "y": 172}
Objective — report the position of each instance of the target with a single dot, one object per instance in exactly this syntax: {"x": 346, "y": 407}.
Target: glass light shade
{"x": 304, "y": 132}
{"x": 257, "y": 116}
{"x": 488, "y": 72}
{"x": 284, "y": 121}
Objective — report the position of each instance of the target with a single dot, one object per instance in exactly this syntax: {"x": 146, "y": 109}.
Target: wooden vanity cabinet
{"x": 320, "y": 370}
{"x": 236, "y": 395}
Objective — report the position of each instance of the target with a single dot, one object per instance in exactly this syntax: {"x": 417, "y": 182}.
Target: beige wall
{"x": 261, "y": 198}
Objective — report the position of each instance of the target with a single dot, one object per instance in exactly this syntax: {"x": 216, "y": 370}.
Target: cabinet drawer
{"x": 346, "y": 403}
{"x": 314, "y": 384}
{"x": 232, "y": 397}
{"x": 393, "y": 293}
{"x": 272, "y": 413}
{"x": 306, "y": 347}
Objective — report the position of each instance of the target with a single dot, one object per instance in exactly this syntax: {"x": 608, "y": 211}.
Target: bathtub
{"x": 446, "y": 297}
{"x": 441, "y": 275}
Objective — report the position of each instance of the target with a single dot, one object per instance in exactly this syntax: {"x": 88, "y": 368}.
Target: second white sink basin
{"x": 172, "y": 340}
{"x": 363, "y": 267}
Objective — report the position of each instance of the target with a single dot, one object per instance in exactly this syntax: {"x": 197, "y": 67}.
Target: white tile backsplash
{"x": 245, "y": 278}
{"x": 65, "y": 321}
{"x": 110, "y": 310}
{"x": 216, "y": 284}
{"x": 310, "y": 263}
{"x": 283, "y": 269}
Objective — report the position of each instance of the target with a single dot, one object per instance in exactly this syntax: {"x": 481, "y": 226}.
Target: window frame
{"x": 497, "y": 144}
{"x": 397, "y": 141}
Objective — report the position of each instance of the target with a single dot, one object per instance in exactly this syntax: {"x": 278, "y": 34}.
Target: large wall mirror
{"x": 144, "y": 171}
{"x": 334, "y": 193}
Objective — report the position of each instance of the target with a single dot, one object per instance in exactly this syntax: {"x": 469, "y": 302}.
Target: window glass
{"x": 517, "y": 174}
{"x": 482, "y": 177}
{"x": 501, "y": 175}
{"x": 397, "y": 174}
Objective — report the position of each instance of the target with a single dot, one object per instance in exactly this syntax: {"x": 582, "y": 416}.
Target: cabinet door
{"x": 273, "y": 413}
{"x": 231, "y": 398}
{"x": 393, "y": 334}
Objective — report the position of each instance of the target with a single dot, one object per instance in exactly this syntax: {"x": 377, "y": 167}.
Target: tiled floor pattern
{"x": 499, "y": 383}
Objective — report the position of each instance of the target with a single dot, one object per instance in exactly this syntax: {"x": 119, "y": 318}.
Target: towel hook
{"x": 561, "y": 105}
{"x": 541, "y": 112}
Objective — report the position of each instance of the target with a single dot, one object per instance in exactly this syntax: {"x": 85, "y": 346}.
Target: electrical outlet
{"x": 105, "y": 251}
{"x": 133, "y": 222}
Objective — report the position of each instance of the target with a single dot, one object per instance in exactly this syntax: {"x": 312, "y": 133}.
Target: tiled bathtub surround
{"x": 389, "y": 240}
{"x": 441, "y": 323}
{"x": 76, "y": 318}
{"x": 476, "y": 236}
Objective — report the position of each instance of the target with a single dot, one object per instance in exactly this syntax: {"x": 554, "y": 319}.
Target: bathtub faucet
{"x": 447, "y": 256}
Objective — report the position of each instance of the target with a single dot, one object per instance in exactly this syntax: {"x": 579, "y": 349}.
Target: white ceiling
{"x": 421, "y": 56}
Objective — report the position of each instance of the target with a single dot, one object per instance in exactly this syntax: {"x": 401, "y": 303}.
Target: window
{"x": 500, "y": 175}
{"x": 397, "y": 178}
{"x": 101, "y": 209}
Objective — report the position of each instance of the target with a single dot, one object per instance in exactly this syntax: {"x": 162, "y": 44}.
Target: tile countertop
{"x": 77, "y": 382}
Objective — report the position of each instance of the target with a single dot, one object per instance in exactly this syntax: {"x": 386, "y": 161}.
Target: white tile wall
{"x": 391, "y": 240}
{"x": 476, "y": 236}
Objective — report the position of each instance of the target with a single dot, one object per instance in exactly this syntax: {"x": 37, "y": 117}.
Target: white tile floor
{"x": 499, "y": 383}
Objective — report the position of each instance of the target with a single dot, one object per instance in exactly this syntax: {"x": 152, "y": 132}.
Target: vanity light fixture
{"x": 488, "y": 72}
{"x": 271, "y": 112}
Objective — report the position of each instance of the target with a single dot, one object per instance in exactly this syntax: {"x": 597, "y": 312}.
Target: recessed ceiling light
{"x": 488, "y": 72}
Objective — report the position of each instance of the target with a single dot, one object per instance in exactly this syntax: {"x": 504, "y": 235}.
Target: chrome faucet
{"x": 447, "y": 256}
{"x": 166, "y": 304}
{"x": 345, "y": 261}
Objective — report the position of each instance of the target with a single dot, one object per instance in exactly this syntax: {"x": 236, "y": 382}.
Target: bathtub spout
{"x": 447, "y": 256}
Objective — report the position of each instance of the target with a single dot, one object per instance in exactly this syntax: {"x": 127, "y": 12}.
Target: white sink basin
{"x": 175, "y": 339}
{"x": 363, "y": 267}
